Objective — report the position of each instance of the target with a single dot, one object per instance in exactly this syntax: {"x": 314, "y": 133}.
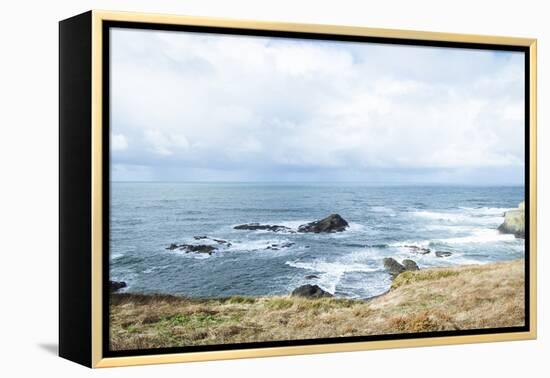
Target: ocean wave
{"x": 472, "y": 236}
{"x": 467, "y": 216}
{"x": 479, "y": 236}
{"x": 331, "y": 272}
{"x": 486, "y": 210}
{"x": 383, "y": 210}
{"x": 191, "y": 255}
{"x": 261, "y": 244}
{"x": 454, "y": 228}
{"x": 115, "y": 256}
{"x": 356, "y": 227}
{"x": 362, "y": 245}
{"x": 408, "y": 243}
{"x": 441, "y": 216}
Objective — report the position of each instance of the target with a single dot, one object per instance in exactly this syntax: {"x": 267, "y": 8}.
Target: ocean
{"x": 385, "y": 221}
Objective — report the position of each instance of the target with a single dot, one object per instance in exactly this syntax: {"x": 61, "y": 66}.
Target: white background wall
{"x": 28, "y": 200}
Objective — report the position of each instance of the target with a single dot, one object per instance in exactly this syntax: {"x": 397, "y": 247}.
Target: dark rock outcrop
{"x": 116, "y": 285}
{"x": 264, "y": 227}
{"x": 395, "y": 268}
{"x": 310, "y": 291}
{"x": 332, "y": 223}
{"x": 514, "y": 222}
{"x": 200, "y": 248}
{"x": 197, "y": 248}
{"x": 392, "y": 266}
{"x": 443, "y": 254}
{"x": 409, "y": 265}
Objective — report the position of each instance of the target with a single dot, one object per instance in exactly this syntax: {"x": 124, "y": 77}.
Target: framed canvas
{"x": 235, "y": 189}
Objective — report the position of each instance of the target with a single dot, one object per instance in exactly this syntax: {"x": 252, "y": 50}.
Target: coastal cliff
{"x": 437, "y": 299}
{"x": 514, "y": 222}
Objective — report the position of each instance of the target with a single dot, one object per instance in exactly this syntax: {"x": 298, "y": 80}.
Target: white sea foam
{"x": 441, "y": 216}
{"x": 487, "y": 216}
{"x": 486, "y": 210}
{"x": 293, "y": 224}
{"x": 255, "y": 245}
{"x": 407, "y": 243}
{"x": 454, "y": 228}
{"x": 356, "y": 227}
{"x": 191, "y": 255}
{"x": 384, "y": 210}
{"x": 331, "y": 272}
{"x": 480, "y": 236}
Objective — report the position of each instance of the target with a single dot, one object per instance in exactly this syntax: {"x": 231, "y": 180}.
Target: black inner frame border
{"x": 106, "y": 165}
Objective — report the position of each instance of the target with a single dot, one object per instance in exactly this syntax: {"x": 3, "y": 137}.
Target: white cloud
{"x": 261, "y": 104}
{"x": 118, "y": 142}
{"x": 165, "y": 143}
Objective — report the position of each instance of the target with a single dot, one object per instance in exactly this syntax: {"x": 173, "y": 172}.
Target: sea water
{"x": 145, "y": 218}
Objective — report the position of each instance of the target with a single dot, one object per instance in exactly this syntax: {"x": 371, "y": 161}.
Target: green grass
{"x": 470, "y": 297}
{"x": 407, "y": 278}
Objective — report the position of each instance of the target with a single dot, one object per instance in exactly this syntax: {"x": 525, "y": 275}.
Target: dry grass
{"x": 469, "y": 297}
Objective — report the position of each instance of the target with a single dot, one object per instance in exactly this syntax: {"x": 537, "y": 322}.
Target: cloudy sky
{"x": 199, "y": 107}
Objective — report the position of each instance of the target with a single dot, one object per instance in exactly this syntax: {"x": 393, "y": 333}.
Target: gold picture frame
{"x": 94, "y": 262}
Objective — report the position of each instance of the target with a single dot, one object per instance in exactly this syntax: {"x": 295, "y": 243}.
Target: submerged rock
{"x": 311, "y": 277}
{"x": 310, "y": 291}
{"x": 276, "y": 246}
{"x": 418, "y": 250}
{"x": 332, "y": 223}
{"x": 198, "y": 248}
{"x": 116, "y": 285}
{"x": 514, "y": 222}
{"x": 264, "y": 227}
{"x": 443, "y": 254}
{"x": 221, "y": 241}
{"x": 395, "y": 268}
{"x": 201, "y": 248}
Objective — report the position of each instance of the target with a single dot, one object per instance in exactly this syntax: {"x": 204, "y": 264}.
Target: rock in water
{"x": 200, "y": 248}
{"x": 311, "y": 277}
{"x": 418, "y": 250}
{"x": 410, "y": 265}
{"x": 310, "y": 291}
{"x": 443, "y": 254}
{"x": 332, "y": 223}
{"x": 276, "y": 246}
{"x": 263, "y": 227}
{"x": 116, "y": 285}
{"x": 514, "y": 222}
{"x": 393, "y": 267}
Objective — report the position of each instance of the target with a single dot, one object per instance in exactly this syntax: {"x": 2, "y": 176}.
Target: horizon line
{"x": 312, "y": 182}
